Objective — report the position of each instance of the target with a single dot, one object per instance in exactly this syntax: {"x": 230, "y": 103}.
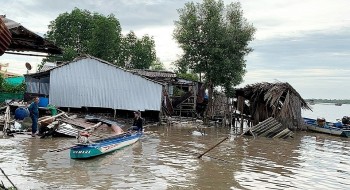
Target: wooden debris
{"x": 76, "y": 122}
{"x": 6, "y": 120}
{"x": 52, "y": 117}
{"x": 270, "y": 128}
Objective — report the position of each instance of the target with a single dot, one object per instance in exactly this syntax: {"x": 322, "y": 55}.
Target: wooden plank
{"x": 283, "y": 132}
{"x": 58, "y": 115}
{"x": 270, "y": 130}
{"x": 266, "y": 126}
{"x": 276, "y": 131}
{"x": 76, "y": 123}
{"x": 262, "y": 124}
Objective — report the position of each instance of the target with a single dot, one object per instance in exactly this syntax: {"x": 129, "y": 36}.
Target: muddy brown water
{"x": 165, "y": 159}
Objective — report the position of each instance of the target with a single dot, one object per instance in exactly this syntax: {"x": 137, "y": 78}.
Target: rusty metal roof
{"x": 26, "y": 40}
{"x": 5, "y": 37}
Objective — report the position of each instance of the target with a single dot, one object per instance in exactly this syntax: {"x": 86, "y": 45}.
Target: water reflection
{"x": 165, "y": 159}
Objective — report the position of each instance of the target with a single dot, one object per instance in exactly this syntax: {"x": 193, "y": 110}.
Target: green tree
{"x": 183, "y": 71}
{"x": 137, "y": 53}
{"x": 157, "y": 65}
{"x": 83, "y": 32}
{"x": 215, "y": 38}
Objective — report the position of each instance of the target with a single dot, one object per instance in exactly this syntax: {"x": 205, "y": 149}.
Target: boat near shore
{"x": 103, "y": 146}
{"x": 321, "y": 126}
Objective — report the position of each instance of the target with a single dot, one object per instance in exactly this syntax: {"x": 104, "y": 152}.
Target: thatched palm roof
{"x": 279, "y": 100}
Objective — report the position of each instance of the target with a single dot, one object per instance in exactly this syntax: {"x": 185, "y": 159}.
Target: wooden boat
{"x": 337, "y": 129}
{"x": 338, "y": 104}
{"x": 103, "y": 146}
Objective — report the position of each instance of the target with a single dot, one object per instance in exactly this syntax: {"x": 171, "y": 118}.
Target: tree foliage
{"x": 157, "y": 65}
{"x": 214, "y": 38}
{"x": 137, "y": 53}
{"x": 83, "y": 32}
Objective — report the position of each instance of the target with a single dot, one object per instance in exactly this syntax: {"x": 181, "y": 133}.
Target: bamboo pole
{"x": 211, "y": 148}
{"x": 2, "y": 171}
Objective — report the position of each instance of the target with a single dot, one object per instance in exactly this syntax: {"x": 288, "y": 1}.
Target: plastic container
{"x": 52, "y": 109}
{"x": 43, "y": 102}
{"x": 21, "y": 113}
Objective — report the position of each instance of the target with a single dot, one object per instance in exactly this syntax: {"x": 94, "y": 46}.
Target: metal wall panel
{"x": 91, "y": 83}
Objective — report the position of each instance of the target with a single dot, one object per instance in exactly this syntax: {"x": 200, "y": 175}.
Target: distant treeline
{"x": 334, "y": 101}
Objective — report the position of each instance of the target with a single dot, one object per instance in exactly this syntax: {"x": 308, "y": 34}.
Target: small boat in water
{"x": 320, "y": 125}
{"x": 338, "y": 104}
{"x": 86, "y": 149}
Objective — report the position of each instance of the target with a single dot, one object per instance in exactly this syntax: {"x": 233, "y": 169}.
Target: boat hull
{"x": 327, "y": 129}
{"x": 104, "y": 146}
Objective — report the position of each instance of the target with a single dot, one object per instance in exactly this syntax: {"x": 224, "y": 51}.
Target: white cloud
{"x": 166, "y": 47}
{"x": 294, "y": 17}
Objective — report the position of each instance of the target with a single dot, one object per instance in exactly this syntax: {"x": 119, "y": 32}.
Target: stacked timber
{"x": 269, "y": 128}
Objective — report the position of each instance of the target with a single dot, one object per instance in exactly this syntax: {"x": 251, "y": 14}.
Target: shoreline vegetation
{"x": 330, "y": 101}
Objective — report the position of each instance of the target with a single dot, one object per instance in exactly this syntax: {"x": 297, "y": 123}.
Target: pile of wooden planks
{"x": 270, "y": 128}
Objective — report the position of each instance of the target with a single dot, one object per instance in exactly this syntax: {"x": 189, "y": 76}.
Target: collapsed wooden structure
{"x": 278, "y": 100}
{"x": 269, "y": 128}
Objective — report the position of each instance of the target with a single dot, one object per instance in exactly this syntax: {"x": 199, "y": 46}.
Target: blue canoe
{"x": 103, "y": 146}
{"x": 337, "y": 129}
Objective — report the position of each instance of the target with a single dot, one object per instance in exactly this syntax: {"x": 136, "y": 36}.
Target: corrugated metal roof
{"x": 155, "y": 74}
{"x": 44, "y": 72}
{"x": 48, "y": 66}
{"x": 88, "y": 82}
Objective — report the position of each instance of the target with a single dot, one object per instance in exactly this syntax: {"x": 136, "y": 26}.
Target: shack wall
{"x": 91, "y": 83}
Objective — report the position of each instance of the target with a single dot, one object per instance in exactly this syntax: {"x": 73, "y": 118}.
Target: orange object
{"x": 85, "y": 134}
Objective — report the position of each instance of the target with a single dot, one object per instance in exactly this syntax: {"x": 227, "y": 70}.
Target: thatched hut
{"x": 278, "y": 100}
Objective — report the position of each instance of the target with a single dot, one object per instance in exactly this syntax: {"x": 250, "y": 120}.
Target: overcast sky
{"x": 303, "y": 42}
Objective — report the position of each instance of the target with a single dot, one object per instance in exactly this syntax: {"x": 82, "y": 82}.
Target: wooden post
{"x": 115, "y": 113}
{"x": 240, "y": 105}
{"x": 68, "y": 110}
{"x": 6, "y": 120}
{"x": 242, "y": 122}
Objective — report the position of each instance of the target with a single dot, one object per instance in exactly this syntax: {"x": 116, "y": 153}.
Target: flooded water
{"x": 329, "y": 111}
{"x": 165, "y": 158}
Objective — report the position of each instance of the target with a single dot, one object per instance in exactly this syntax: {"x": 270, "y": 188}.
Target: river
{"x": 165, "y": 159}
